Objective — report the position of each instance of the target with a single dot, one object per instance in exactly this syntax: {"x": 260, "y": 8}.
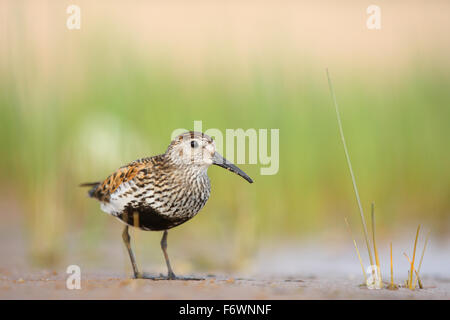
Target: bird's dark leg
{"x": 170, "y": 274}
{"x": 126, "y": 240}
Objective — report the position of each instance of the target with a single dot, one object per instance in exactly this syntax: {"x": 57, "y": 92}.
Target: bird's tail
{"x": 93, "y": 185}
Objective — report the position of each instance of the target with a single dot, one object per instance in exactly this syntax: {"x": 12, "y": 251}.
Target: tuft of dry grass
{"x": 376, "y": 278}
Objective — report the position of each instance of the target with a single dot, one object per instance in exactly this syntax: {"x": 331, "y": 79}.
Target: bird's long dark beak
{"x": 220, "y": 161}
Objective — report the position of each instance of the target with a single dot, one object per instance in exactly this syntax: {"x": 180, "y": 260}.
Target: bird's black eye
{"x": 194, "y": 144}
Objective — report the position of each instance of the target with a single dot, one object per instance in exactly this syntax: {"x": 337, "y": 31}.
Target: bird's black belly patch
{"x": 148, "y": 218}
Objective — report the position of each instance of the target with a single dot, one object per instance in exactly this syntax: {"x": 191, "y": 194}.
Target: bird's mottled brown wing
{"x": 120, "y": 176}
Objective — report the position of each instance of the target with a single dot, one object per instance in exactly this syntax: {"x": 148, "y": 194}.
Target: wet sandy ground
{"x": 51, "y": 285}
{"x": 300, "y": 271}
{"x": 281, "y": 272}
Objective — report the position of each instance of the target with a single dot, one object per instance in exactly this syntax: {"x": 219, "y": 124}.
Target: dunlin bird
{"x": 163, "y": 191}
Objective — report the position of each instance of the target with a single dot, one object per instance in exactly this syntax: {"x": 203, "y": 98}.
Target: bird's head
{"x": 198, "y": 150}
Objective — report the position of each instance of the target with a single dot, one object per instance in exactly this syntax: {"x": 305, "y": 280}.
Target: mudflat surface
{"x": 318, "y": 268}
{"x": 51, "y": 285}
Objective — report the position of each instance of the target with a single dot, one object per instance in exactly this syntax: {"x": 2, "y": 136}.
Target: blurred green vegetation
{"x": 82, "y": 120}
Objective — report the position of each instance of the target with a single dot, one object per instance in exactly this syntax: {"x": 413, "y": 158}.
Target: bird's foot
{"x": 144, "y": 275}
{"x": 171, "y": 276}
{"x": 149, "y": 276}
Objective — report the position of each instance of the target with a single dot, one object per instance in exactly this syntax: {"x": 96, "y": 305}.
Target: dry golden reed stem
{"x": 392, "y": 268}
{"x": 392, "y": 285}
{"x": 409, "y": 272}
{"x": 421, "y": 259}
{"x": 347, "y": 156}
{"x": 406, "y": 281}
{"x": 357, "y": 251}
{"x": 411, "y": 284}
{"x": 377, "y": 260}
{"x": 409, "y": 261}
{"x": 418, "y": 278}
